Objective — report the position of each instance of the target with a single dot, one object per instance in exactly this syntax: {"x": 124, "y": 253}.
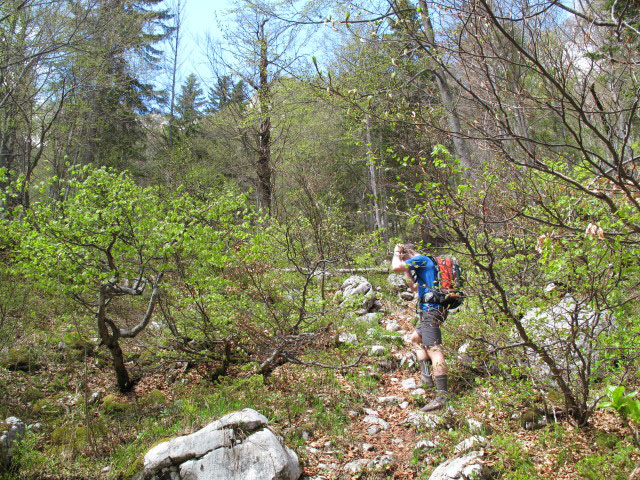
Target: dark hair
{"x": 409, "y": 246}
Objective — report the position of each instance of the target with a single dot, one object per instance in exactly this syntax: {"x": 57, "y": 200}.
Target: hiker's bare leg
{"x": 440, "y": 376}
{"x": 437, "y": 359}
{"x": 421, "y": 352}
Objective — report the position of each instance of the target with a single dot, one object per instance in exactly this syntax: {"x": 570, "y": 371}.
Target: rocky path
{"x": 389, "y": 427}
{"x": 384, "y": 431}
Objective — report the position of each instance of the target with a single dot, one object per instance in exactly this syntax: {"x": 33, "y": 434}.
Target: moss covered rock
{"x": 76, "y": 346}
{"x": 112, "y": 406}
{"x": 47, "y": 406}
{"x": 20, "y": 359}
{"x": 154, "y": 398}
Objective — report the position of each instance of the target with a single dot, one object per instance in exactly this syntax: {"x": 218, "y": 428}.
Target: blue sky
{"x": 200, "y": 20}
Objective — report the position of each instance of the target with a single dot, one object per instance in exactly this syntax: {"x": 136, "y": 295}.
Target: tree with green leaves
{"x": 108, "y": 240}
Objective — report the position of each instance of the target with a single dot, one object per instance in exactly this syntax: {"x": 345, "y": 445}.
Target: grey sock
{"x": 441, "y": 384}
{"x": 425, "y": 374}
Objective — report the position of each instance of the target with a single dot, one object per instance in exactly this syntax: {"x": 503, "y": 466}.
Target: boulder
{"x": 11, "y": 431}
{"x": 378, "y": 350}
{"x": 397, "y": 282}
{"x": 348, "y": 338}
{"x": 357, "y": 292}
{"x": 425, "y": 420}
{"x": 469, "y": 443}
{"x": 554, "y": 329}
{"x": 238, "y": 446}
{"x": 461, "y": 468}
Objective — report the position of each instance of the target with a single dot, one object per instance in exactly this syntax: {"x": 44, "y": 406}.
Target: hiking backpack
{"x": 447, "y": 289}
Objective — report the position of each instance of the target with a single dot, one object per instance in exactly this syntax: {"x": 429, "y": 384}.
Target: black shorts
{"x": 429, "y": 326}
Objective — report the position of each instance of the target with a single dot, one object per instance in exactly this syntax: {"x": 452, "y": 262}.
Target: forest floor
{"x": 323, "y": 414}
{"x": 559, "y": 459}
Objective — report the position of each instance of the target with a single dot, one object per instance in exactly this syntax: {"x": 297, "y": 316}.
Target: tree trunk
{"x": 110, "y": 340}
{"x": 371, "y": 167}
{"x": 453, "y": 119}
{"x": 6, "y": 157}
{"x": 122, "y": 376}
{"x": 174, "y": 66}
{"x": 263, "y": 166}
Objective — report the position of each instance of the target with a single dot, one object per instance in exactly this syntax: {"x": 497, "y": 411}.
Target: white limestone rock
{"x": 356, "y": 466}
{"x": 13, "y": 431}
{"x": 397, "y": 282}
{"x": 236, "y": 447}
{"x": 461, "y": 468}
{"x": 409, "y": 384}
{"x": 357, "y": 287}
{"x": 469, "y": 443}
{"x": 408, "y": 296}
{"x": 348, "y": 338}
{"x": 378, "y": 350}
{"x": 392, "y": 326}
{"x": 424, "y": 420}
{"x": 375, "y": 420}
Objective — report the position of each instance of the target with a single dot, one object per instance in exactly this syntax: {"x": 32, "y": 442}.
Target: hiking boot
{"x": 435, "y": 404}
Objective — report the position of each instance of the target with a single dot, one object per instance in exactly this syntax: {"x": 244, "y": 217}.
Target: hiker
{"x": 421, "y": 274}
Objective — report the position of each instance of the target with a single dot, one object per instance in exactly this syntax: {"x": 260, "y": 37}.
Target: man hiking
{"x": 421, "y": 273}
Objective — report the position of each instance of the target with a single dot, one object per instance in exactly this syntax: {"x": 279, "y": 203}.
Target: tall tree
{"x": 35, "y": 41}
{"x": 259, "y": 49}
{"x": 225, "y": 92}
{"x": 175, "y": 43}
{"x": 189, "y": 103}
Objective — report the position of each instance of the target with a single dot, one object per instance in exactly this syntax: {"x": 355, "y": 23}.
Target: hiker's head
{"x": 408, "y": 250}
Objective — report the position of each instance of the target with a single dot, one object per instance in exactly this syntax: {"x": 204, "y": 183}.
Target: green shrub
{"x": 616, "y": 464}
{"x": 32, "y": 394}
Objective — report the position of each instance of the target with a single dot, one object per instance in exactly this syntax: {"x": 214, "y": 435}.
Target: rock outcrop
{"x": 397, "y": 282}
{"x": 358, "y": 292}
{"x": 12, "y": 431}
{"x": 239, "y": 446}
{"x": 568, "y": 330}
{"x": 461, "y": 468}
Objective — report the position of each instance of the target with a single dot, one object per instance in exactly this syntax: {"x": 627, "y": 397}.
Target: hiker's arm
{"x": 397, "y": 264}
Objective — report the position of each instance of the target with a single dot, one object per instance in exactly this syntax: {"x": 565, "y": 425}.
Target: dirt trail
{"x": 397, "y": 441}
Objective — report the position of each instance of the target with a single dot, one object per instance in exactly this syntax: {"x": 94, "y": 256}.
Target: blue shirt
{"x": 424, "y": 274}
